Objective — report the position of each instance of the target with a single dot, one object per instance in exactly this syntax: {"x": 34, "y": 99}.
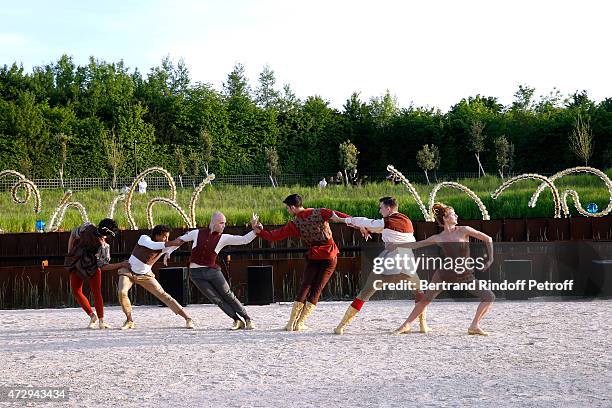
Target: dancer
{"x": 454, "y": 244}
{"x": 88, "y": 255}
{"x": 313, "y": 227}
{"x": 146, "y": 252}
{"x": 207, "y": 275}
{"x": 394, "y": 227}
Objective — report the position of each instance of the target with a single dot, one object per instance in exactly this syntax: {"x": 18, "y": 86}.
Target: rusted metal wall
{"x": 24, "y": 282}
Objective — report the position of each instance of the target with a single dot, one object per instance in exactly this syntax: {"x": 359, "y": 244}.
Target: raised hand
{"x": 334, "y": 218}
{"x": 175, "y": 242}
{"x": 255, "y": 220}
{"x": 365, "y": 233}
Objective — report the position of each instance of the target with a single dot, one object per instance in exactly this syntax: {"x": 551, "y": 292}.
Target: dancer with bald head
{"x": 207, "y": 275}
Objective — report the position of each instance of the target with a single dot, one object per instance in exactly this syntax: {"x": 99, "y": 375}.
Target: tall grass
{"x": 238, "y": 202}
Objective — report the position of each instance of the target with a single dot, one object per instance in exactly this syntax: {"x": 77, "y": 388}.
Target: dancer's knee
{"x": 215, "y": 299}
{"x": 488, "y": 297}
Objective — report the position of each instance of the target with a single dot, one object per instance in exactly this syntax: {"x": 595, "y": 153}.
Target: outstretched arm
{"x": 115, "y": 266}
{"x": 227, "y": 239}
{"x": 474, "y": 233}
{"x": 331, "y": 215}
{"x": 434, "y": 239}
{"x": 371, "y": 225}
{"x": 286, "y": 231}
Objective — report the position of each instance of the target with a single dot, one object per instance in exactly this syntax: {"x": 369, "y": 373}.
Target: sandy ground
{"x": 539, "y": 354}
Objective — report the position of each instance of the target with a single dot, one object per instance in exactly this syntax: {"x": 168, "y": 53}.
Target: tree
{"x": 504, "y": 152}
{"x": 348, "y": 158}
{"x": 523, "y": 98}
{"x": 194, "y": 162}
{"x": 206, "y": 148}
{"x": 272, "y": 164}
{"x": 237, "y": 85}
{"x": 265, "y": 94}
{"x": 180, "y": 163}
{"x": 436, "y": 155}
{"x": 581, "y": 140}
{"x": 114, "y": 153}
{"x": 25, "y": 165}
{"x": 62, "y": 141}
{"x": 477, "y": 143}
{"x": 426, "y": 158}
{"x": 384, "y": 109}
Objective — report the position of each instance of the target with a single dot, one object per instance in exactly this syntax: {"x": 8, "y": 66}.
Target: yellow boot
{"x": 295, "y": 313}
{"x": 306, "y": 311}
{"x": 348, "y": 316}
{"x": 423, "y": 327}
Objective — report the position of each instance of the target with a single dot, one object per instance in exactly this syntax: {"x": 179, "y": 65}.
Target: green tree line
{"x": 83, "y": 121}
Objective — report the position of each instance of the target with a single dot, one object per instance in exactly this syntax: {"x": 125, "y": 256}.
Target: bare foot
{"x": 477, "y": 331}
{"x": 402, "y": 330}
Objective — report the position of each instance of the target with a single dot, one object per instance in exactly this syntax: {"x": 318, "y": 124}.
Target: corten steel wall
{"x": 25, "y": 283}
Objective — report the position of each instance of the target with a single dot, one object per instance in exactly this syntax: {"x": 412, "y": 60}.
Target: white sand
{"x": 539, "y": 354}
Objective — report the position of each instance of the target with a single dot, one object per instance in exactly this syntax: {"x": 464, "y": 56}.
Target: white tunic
{"x": 391, "y": 236}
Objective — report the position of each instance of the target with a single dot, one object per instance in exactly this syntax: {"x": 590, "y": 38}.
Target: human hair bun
{"x": 438, "y": 211}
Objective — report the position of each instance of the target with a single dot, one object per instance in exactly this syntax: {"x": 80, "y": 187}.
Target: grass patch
{"x": 237, "y": 202}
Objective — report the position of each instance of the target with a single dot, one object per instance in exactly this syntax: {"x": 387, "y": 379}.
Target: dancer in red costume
{"x": 312, "y": 226}
{"x": 89, "y": 255}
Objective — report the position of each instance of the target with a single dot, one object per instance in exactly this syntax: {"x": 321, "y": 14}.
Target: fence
{"x": 155, "y": 182}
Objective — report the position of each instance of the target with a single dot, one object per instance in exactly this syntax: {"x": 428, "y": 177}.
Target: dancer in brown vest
{"x": 207, "y": 275}
{"x": 146, "y": 252}
{"x": 395, "y": 227}
{"x": 89, "y": 255}
{"x": 311, "y": 225}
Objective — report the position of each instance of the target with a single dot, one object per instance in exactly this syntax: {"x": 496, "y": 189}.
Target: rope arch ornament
{"x": 572, "y": 193}
{"x": 532, "y": 176}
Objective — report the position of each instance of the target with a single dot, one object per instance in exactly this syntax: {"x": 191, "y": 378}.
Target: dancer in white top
{"x": 146, "y": 252}
{"x": 395, "y": 227}
{"x": 207, "y": 275}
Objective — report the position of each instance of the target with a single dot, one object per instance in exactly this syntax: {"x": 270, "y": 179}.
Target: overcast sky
{"x": 429, "y": 53}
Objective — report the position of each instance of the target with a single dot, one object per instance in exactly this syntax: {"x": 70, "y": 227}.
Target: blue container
{"x": 592, "y": 208}
{"x": 40, "y": 225}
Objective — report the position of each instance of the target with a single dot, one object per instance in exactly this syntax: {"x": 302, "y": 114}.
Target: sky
{"x": 426, "y": 53}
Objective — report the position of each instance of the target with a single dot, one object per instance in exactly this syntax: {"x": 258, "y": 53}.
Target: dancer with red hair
{"x": 453, "y": 242}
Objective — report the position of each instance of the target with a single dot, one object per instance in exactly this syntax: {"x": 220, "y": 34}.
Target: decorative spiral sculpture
{"x": 531, "y": 176}
{"x": 130, "y": 194}
{"x": 171, "y": 203}
{"x": 28, "y": 187}
{"x": 461, "y": 187}
{"x": 60, "y": 212}
{"x": 113, "y": 205}
{"x": 398, "y": 175}
{"x": 196, "y": 195}
{"x": 572, "y": 193}
{"x": 73, "y": 204}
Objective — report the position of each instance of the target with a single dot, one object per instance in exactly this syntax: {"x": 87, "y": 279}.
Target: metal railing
{"x": 155, "y": 182}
